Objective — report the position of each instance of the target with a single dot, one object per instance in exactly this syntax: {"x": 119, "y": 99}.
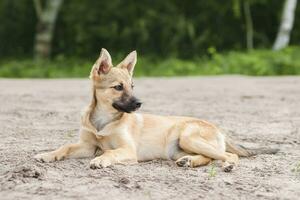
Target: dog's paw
{"x": 45, "y": 157}
{"x": 228, "y": 167}
{"x": 185, "y": 161}
{"x": 100, "y": 162}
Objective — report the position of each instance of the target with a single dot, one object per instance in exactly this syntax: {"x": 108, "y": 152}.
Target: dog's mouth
{"x": 128, "y": 106}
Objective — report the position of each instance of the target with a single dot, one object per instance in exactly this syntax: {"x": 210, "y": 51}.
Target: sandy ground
{"x": 41, "y": 115}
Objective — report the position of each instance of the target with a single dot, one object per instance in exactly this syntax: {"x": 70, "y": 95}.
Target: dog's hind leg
{"x": 192, "y": 161}
{"x": 203, "y": 140}
{"x": 77, "y": 150}
{"x": 231, "y": 162}
{"x": 184, "y": 159}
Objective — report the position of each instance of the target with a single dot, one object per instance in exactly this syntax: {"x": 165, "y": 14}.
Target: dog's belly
{"x": 156, "y": 139}
{"x": 150, "y": 148}
{"x": 149, "y": 152}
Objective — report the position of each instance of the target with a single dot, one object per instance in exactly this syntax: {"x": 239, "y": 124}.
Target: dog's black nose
{"x": 135, "y": 103}
{"x": 138, "y": 104}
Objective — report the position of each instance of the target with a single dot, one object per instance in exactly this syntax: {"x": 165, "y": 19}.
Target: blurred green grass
{"x": 257, "y": 62}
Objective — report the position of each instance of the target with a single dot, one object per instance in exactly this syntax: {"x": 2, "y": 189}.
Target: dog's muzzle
{"x": 127, "y": 105}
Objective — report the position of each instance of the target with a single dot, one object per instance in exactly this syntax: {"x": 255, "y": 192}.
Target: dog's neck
{"x": 101, "y": 116}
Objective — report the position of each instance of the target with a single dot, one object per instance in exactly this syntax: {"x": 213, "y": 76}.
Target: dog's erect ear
{"x": 102, "y": 65}
{"x": 129, "y": 62}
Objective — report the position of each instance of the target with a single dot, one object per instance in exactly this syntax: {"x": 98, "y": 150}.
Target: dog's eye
{"x": 118, "y": 87}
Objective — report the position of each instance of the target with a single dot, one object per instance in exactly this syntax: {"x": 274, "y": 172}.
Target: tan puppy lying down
{"x": 110, "y": 124}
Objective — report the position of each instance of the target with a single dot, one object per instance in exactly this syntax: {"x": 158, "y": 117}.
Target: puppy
{"x": 110, "y": 125}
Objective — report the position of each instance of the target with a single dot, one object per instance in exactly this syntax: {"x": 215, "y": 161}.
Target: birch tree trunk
{"x": 249, "y": 25}
{"x": 286, "y": 26}
{"x": 45, "y": 27}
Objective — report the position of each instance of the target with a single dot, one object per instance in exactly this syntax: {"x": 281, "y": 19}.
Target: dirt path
{"x": 40, "y": 115}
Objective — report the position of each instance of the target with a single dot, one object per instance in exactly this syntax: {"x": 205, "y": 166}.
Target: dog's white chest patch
{"x": 100, "y": 118}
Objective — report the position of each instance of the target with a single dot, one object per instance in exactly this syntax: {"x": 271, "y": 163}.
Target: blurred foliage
{"x": 256, "y": 62}
{"x": 17, "y": 27}
{"x": 169, "y": 28}
{"x": 172, "y": 37}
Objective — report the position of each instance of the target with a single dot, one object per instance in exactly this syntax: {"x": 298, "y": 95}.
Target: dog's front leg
{"x": 109, "y": 157}
{"x": 78, "y": 150}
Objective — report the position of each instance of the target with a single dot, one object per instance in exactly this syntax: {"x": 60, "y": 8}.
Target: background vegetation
{"x": 172, "y": 37}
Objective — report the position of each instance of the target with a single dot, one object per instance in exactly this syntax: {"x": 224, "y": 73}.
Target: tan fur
{"x": 131, "y": 137}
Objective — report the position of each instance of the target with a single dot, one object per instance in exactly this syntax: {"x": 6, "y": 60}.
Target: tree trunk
{"x": 286, "y": 26}
{"x": 249, "y": 25}
{"x": 45, "y": 27}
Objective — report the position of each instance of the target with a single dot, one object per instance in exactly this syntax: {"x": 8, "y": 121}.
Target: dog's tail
{"x": 247, "y": 152}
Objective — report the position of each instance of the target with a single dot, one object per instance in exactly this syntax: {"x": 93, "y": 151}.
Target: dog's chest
{"x": 100, "y": 118}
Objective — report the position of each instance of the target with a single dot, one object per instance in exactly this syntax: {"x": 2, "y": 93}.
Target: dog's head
{"x": 113, "y": 86}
